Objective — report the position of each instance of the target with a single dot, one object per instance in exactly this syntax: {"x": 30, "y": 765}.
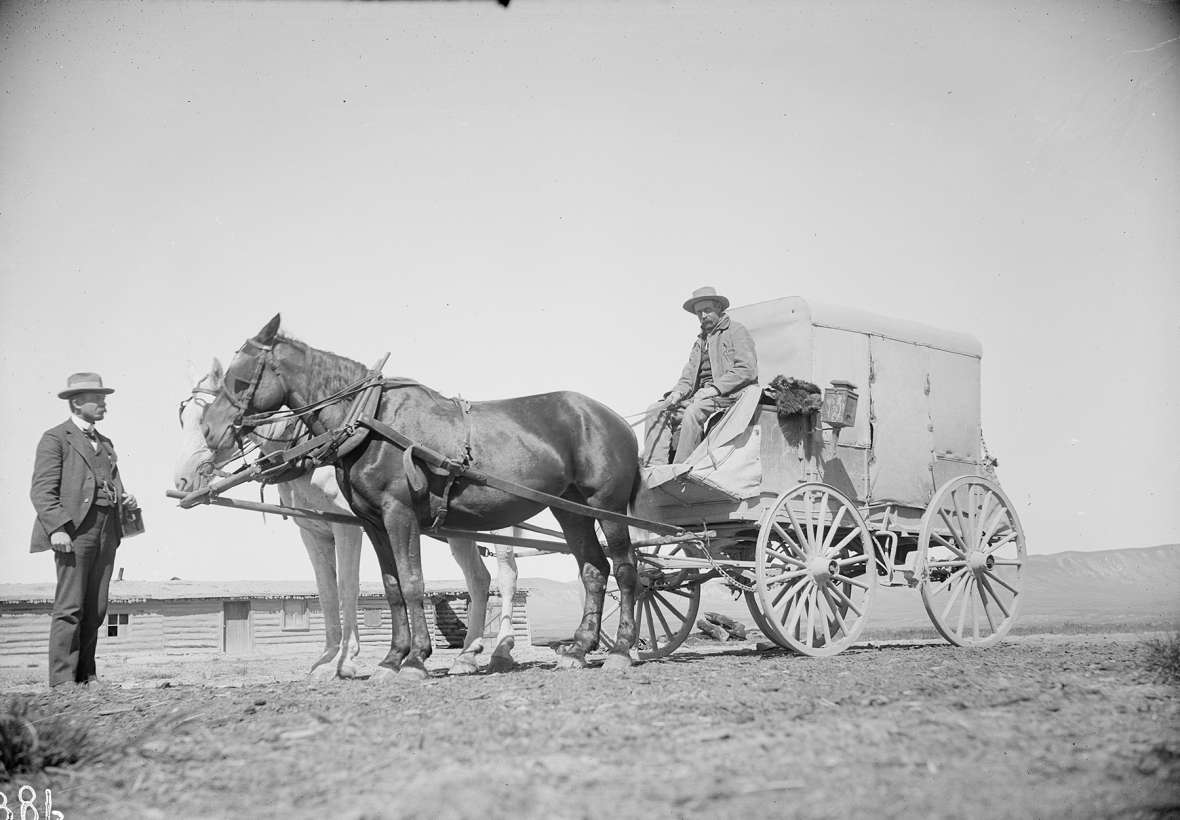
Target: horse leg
{"x": 399, "y": 646}
{"x": 593, "y": 568}
{"x": 506, "y": 575}
{"x": 348, "y": 559}
{"x": 405, "y": 540}
{"x": 479, "y": 583}
{"x": 622, "y": 557}
{"x": 322, "y": 552}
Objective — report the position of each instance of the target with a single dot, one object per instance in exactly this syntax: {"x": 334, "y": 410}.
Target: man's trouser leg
{"x": 693, "y": 424}
{"x": 83, "y": 577}
{"x": 658, "y": 437}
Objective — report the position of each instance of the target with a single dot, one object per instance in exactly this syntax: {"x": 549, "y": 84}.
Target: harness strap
{"x": 468, "y": 473}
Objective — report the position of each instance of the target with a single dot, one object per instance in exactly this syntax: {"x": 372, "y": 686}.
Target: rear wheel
{"x": 816, "y": 570}
{"x": 970, "y": 562}
{"x": 666, "y": 606}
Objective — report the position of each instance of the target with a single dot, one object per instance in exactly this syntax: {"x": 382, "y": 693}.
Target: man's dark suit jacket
{"x": 65, "y": 480}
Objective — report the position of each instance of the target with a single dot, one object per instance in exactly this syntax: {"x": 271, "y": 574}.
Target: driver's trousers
{"x": 683, "y": 424}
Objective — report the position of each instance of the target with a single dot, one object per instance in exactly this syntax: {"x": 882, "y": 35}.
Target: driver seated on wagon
{"x": 722, "y": 362}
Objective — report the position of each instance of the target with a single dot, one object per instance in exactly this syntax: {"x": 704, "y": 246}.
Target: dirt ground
{"x": 1050, "y": 726}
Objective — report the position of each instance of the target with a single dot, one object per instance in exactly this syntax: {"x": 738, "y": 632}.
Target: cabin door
{"x": 237, "y": 634}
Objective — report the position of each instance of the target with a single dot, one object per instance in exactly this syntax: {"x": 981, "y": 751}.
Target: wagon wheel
{"x": 970, "y": 559}
{"x": 816, "y": 570}
{"x": 756, "y": 613}
{"x": 666, "y": 606}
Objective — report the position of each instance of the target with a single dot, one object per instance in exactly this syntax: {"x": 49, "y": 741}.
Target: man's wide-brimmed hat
{"x": 83, "y": 383}
{"x": 700, "y": 294}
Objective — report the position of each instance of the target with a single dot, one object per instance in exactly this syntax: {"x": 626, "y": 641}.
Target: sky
{"x": 513, "y": 201}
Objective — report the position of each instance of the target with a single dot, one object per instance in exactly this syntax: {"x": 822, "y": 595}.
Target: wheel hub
{"x": 978, "y": 561}
{"x": 822, "y": 569}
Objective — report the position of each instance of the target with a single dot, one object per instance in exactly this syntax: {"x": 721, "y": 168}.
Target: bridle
{"x": 306, "y": 413}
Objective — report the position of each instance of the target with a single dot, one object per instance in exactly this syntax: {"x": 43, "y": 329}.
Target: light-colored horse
{"x": 334, "y": 550}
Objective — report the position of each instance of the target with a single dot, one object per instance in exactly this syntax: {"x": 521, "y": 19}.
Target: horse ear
{"x": 217, "y": 372}
{"x": 269, "y": 331}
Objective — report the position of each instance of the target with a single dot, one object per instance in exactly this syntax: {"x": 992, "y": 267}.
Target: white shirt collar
{"x": 81, "y": 425}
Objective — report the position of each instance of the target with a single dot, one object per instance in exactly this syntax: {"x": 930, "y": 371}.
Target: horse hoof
{"x": 384, "y": 675}
{"x": 347, "y": 672}
{"x": 502, "y": 663}
{"x": 617, "y": 662}
{"x": 412, "y": 672}
{"x": 321, "y": 674}
{"x": 463, "y": 665}
{"x": 571, "y": 662}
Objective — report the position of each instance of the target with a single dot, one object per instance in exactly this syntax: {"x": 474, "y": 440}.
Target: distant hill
{"x": 1106, "y": 590}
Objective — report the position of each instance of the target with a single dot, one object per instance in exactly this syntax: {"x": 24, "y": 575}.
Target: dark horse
{"x": 564, "y": 444}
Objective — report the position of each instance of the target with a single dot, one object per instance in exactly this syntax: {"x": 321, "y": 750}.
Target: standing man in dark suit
{"x": 77, "y": 493}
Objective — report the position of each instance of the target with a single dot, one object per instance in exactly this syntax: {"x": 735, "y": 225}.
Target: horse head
{"x": 194, "y": 464}
{"x": 252, "y": 384}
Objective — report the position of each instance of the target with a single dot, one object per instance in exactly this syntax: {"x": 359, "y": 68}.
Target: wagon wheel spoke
{"x": 782, "y": 556}
{"x": 661, "y": 597}
{"x": 837, "y": 618}
{"x": 817, "y": 523}
{"x": 648, "y": 610}
{"x": 859, "y": 558}
{"x": 856, "y": 582}
{"x": 790, "y": 543}
{"x": 826, "y": 549}
{"x": 785, "y": 577}
{"x": 1010, "y": 538}
{"x": 958, "y": 585}
{"x": 959, "y": 546}
{"x": 844, "y": 599}
{"x": 803, "y": 542}
{"x": 844, "y": 542}
{"x": 1001, "y": 581}
{"x": 968, "y": 578}
{"x": 945, "y": 584}
{"x": 784, "y": 596}
{"x": 986, "y": 592}
{"x": 942, "y": 542}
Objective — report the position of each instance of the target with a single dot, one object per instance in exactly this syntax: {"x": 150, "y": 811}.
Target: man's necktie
{"x": 91, "y": 434}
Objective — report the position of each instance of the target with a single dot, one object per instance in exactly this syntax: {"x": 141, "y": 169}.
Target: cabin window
{"x": 117, "y": 623}
{"x": 295, "y": 616}
{"x": 372, "y": 618}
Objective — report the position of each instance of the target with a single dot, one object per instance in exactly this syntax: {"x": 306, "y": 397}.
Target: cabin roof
{"x": 855, "y": 320}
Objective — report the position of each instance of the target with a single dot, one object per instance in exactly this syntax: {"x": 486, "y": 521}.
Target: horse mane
{"x": 327, "y": 372}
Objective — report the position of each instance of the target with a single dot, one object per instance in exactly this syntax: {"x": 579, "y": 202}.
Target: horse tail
{"x": 636, "y": 482}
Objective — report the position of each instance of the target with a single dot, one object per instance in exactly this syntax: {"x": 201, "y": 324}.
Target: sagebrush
{"x": 1163, "y": 657}
{"x": 31, "y": 741}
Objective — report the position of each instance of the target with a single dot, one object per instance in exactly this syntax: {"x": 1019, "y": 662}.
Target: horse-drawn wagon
{"x": 804, "y": 506}
{"x": 806, "y": 512}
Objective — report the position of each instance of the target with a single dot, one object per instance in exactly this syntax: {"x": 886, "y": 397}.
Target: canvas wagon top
{"x": 917, "y": 419}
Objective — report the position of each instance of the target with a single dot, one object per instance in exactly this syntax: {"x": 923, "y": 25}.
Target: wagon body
{"x": 917, "y": 421}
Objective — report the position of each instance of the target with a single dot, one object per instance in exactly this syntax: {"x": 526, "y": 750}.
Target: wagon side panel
{"x": 900, "y": 470}
{"x": 955, "y": 413}
{"x": 843, "y": 354}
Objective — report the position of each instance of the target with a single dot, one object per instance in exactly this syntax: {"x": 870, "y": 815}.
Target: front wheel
{"x": 666, "y": 605}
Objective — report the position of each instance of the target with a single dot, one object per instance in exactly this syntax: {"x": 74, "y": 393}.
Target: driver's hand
{"x": 130, "y": 502}
{"x": 61, "y": 542}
